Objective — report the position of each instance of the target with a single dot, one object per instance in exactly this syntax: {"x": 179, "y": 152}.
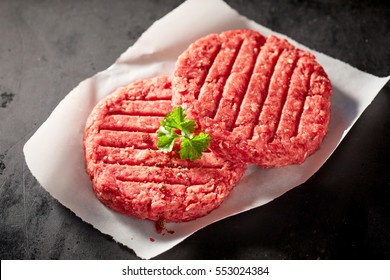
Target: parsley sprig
{"x": 177, "y": 126}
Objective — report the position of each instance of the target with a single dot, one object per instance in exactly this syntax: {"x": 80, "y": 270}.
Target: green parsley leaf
{"x": 187, "y": 151}
{"x": 166, "y": 139}
{"x": 187, "y": 127}
{"x": 178, "y": 119}
{"x": 201, "y": 141}
{"x": 192, "y": 146}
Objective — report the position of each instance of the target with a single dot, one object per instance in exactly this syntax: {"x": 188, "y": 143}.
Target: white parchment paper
{"x": 54, "y": 153}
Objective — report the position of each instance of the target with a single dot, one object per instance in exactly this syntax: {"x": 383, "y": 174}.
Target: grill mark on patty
{"x": 156, "y": 108}
{"x": 316, "y": 107}
{"x": 287, "y": 67}
{"x": 167, "y": 97}
{"x": 265, "y": 127}
{"x": 266, "y": 69}
{"x": 301, "y": 109}
{"x": 176, "y": 195}
{"x": 251, "y": 103}
{"x": 242, "y": 72}
{"x": 131, "y": 123}
{"x": 294, "y": 105}
{"x": 191, "y": 176}
{"x": 204, "y": 56}
{"x": 121, "y": 139}
{"x": 220, "y": 99}
{"x": 212, "y": 90}
{"x": 232, "y": 90}
{"x": 133, "y": 189}
{"x": 129, "y": 128}
{"x": 147, "y": 157}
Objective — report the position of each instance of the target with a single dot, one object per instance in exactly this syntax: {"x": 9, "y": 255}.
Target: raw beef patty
{"x": 262, "y": 100}
{"x": 131, "y": 176}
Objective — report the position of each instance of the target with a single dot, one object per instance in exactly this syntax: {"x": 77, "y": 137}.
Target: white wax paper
{"x": 54, "y": 153}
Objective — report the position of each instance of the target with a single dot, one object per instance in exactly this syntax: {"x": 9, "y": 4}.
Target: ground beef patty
{"x": 131, "y": 176}
{"x": 262, "y": 100}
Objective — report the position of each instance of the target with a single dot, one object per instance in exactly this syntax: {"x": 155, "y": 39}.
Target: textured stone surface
{"x": 48, "y": 47}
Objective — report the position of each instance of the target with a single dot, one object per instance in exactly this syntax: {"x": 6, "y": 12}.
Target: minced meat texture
{"x": 262, "y": 100}
{"x": 131, "y": 176}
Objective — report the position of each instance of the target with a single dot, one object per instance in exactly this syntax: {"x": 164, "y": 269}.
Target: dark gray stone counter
{"x": 343, "y": 212}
